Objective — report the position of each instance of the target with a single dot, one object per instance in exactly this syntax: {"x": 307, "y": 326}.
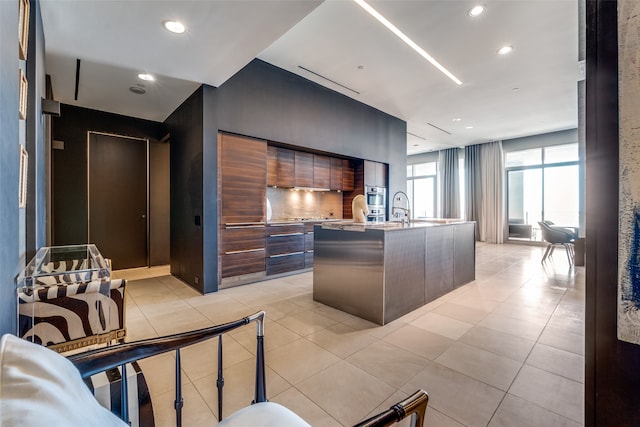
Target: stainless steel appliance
{"x": 376, "y": 201}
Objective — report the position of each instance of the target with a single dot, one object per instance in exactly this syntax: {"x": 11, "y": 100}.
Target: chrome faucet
{"x": 401, "y": 212}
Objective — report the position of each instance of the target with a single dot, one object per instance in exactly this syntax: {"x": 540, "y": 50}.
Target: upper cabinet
{"x": 286, "y": 168}
{"x": 321, "y": 171}
{"x": 336, "y": 174}
{"x": 272, "y": 166}
{"x": 347, "y": 175}
{"x": 303, "y": 169}
{"x": 375, "y": 174}
{"x": 242, "y": 179}
{"x": 280, "y": 167}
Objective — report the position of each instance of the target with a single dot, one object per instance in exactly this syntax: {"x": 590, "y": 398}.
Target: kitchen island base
{"x": 380, "y": 273}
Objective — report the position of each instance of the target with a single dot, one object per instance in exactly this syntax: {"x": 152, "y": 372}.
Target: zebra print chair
{"x": 70, "y": 308}
{"x": 39, "y": 387}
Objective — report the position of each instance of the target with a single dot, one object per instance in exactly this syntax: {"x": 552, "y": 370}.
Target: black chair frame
{"x": 95, "y": 361}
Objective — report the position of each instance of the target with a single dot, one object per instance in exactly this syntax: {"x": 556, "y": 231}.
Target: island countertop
{"x": 382, "y": 271}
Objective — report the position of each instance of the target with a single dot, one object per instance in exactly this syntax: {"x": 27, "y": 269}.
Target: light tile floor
{"x": 504, "y": 350}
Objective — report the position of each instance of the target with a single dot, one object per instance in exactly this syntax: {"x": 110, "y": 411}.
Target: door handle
{"x": 143, "y": 216}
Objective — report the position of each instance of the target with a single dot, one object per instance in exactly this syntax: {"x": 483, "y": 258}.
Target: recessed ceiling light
{"x": 504, "y": 50}
{"x": 476, "y": 10}
{"x": 384, "y": 21}
{"x": 174, "y": 26}
{"x": 137, "y": 90}
{"x": 468, "y": 127}
{"x": 146, "y": 77}
{"x": 456, "y": 119}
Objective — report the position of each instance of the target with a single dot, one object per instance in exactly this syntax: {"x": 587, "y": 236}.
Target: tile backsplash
{"x": 288, "y": 203}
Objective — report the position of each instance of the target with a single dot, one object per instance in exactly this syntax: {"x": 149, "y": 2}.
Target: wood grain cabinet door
{"x": 336, "y": 174}
{"x": 304, "y": 169}
{"x": 272, "y": 166}
{"x": 286, "y": 168}
{"x": 321, "y": 171}
{"x": 243, "y": 179}
{"x": 347, "y": 175}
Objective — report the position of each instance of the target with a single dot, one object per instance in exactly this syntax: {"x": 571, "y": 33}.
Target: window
{"x": 422, "y": 189}
{"x": 542, "y": 184}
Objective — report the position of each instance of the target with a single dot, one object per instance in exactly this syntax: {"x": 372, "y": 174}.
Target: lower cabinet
{"x": 285, "y": 263}
{"x": 285, "y": 248}
{"x": 242, "y": 249}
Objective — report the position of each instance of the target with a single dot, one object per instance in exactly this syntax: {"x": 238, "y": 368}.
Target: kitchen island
{"x": 380, "y": 272}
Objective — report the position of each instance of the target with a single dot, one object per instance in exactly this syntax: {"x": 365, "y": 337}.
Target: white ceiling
{"x": 532, "y": 90}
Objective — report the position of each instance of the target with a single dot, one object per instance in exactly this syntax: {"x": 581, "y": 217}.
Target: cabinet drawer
{"x": 284, "y": 244}
{"x": 240, "y": 263}
{"x": 285, "y": 263}
{"x": 280, "y": 229}
{"x": 308, "y": 259}
{"x": 308, "y": 242}
{"x": 239, "y": 238}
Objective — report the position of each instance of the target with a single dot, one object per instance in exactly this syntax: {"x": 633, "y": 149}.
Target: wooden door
{"x": 118, "y": 197}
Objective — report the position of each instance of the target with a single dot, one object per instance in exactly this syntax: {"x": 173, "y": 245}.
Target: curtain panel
{"x": 484, "y": 195}
{"x": 473, "y": 185}
{"x": 449, "y": 183}
{"x": 492, "y": 226}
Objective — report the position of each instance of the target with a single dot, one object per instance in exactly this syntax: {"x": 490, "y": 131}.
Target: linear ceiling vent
{"x": 328, "y": 79}
{"x": 417, "y": 136}
{"x": 440, "y": 129}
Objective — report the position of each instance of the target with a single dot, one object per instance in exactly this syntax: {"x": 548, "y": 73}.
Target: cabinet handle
{"x": 286, "y": 234}
{"x": 286, "y": 224}
{"x": 244, "y": 223}
{"x": 233, "y": 227}
{"x": 291, "y": 253}
{"x": 244, "y": 251}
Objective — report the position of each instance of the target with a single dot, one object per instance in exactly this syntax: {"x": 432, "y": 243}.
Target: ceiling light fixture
{"x": 406, "y": 39}
{"x": 456, "y": 119}
{"x": 504, "y": 50}
{"x": 476, "y": 10}
{"x": 468, "y": 127}
{"x": 137, "y": 90}
{"x": 146, "y": 77}
{"x": 174, "y": 26}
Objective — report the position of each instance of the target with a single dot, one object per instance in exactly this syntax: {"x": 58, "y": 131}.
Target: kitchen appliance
{"x": 376, "y": 201}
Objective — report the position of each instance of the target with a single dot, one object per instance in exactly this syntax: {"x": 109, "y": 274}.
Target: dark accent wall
{"x": 69, "y": 166}
{"x": 159, "y": 241}
{"x": 266, "y": 102}
{"x": 9, "y": 155}
{"x": 186, "y": 159}
{"x": 612, "y": 376}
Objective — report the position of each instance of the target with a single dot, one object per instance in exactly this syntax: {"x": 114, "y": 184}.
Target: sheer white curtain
{"x": 492, "y": 224}
{"x": 449, "y": 183}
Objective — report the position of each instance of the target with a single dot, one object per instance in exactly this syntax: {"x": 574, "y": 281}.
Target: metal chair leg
{"x": 546, "y": 253}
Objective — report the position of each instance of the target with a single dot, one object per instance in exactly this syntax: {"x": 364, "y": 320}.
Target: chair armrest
{"x": 416, "y": 405}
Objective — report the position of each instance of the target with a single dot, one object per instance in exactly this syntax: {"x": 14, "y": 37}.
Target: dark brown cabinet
{"x": 347, "y": 175}
{"x": 280, "y": 167}
{"x": 303, "y": 169}
{"x": 375, "y": 174}
{"x": 242, "y": 250}
{"x": 242, "y": 179}
{"x": 308, "y": 244}
{"x": 336, "y": 175}
{"x": 285, "y": 248}
{"x": 272, "y": 166}
{"x": 321, "y": 171}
